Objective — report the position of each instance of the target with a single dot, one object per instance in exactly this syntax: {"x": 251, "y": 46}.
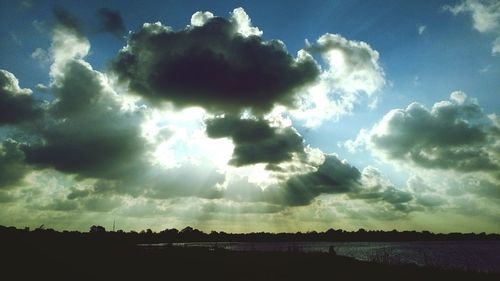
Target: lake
{"x": 481, "y": 256}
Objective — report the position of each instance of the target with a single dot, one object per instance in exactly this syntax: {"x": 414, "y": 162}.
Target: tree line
{"x": 190, "y": 234}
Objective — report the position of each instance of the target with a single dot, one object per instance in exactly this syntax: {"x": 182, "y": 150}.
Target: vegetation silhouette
{"x": 48, "y": 254}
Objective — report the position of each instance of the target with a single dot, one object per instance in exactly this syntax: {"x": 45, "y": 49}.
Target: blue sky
{"x": 418, "y": 51}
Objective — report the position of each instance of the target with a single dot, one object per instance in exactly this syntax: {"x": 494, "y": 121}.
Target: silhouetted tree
{"x": 97, "y": 229}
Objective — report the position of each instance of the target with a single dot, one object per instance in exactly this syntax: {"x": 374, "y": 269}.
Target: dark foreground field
{"x": 93, "y": 257}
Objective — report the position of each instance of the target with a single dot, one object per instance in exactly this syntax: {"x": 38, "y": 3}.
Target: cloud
{"x": 41, "y": 56}
{"x": 198, "y": 180}
{"x": 495, "y": 50}
{"x": 86, "y": 131}
{"x": 421, "y": 29}
{"x": 255, "y": 140}
{"x": 352, "y": 72}
{"x": 474, "y": 184}
{"x": 374, "y": 188}
{"x": 68, "y": 43}
{"x": 91, "y": 136}
{"x": 111, "y": 21}
{"x": 64, "y": 19}
{"x": 353, "y": 65}
{"x": 333, "y": 176}
{"x": 200, "y": 18}
{"x": 485, "y": 17}
{"x": 26, "y": 4}
{"x": 12, "y": 164}
{"x": 485, "y": 13}
{"x": 244, "y": 24}
{"x": 16, "y": 104}
{"x": 454, "y": 135}
{"x": 221, "y": 65}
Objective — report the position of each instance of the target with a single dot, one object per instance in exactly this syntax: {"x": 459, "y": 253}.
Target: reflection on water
{"x": 465, "y": 255}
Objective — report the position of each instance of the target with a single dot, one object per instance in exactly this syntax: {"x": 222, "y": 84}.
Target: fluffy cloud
{"x": 215, "y": 63}
{"x": 485, "y": 13}
{"x": 255, "y": 140}
{"x": 111, "y": 21}
{"x": 374, "y": 188}
{"x": 244, "y": 24}
{"x": 352, "y": 69}
{"x": 86, "y": 131}
{"x": 454, "y": 134}
{"x": 200, "y": 18}
{"x": 68, "y": 41}
{"x": 16, "y": 105}
{"x": 332, "y": 177}
{"x": 485, "y": 17}
{"x": 353, "y": 65}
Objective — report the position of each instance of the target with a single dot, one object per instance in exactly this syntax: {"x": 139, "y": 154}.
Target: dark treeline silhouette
{"x": 46, "y": 254}
{"x": 190, "y": 234}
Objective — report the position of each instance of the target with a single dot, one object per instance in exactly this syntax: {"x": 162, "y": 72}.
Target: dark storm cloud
{"x": 65, "y": 19}
{"x": 454, "y": 134}
{"x": 111, "y": 21}
{"x": 87, "y": 133}
{"x": 16, "y": 105}
{"x": 211, "y": 66}
{"x": 12, "y": 166}
{"x": 255, "y": 140}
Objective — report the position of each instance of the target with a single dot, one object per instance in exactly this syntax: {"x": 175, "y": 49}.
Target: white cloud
{"x": 352, "y": 70}
{"x": 485, "y": 17}
{"x": 495, "y": 50}
{"x": 485, "y": 13}
{"x": 244, "y": 24}
{"x": 66, "y": 46}
{"x": 200, "y": 18}
{"x": 41, "y": 55}
{"x": 421, "y": 29}
{"x": 352, "y": 65}
{"x": 11, "y": 84}
{"x": 455, "y": 135}
{"x": 458, "y": 96}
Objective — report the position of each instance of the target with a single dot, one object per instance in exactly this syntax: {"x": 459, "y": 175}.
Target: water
{"x": 481, "y": 256}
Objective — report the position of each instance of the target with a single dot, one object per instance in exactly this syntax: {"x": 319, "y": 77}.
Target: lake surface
{"x": 464, "y": 255}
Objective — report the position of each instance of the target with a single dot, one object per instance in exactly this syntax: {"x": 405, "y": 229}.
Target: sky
{"x": 244, "y": 116}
